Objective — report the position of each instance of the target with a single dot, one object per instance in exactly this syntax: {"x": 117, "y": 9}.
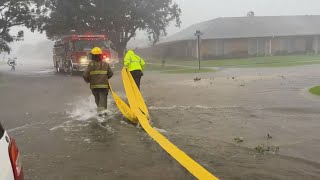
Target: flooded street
{"x": 53, "y": 118}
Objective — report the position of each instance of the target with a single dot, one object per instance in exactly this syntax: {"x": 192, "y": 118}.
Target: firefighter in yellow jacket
{"x": 98, "y": 74}
{"x": 135, "y": 65}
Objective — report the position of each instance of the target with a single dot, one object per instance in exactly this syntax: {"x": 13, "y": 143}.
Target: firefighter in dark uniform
{"x": 135, "y": 65}
{"x": 98, "y": 74}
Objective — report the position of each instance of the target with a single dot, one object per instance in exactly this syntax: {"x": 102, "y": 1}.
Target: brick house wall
{"x": 236, "y": 47}
{"x": 242, "y": 47}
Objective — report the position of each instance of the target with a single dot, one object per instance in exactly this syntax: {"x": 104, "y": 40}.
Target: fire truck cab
{"x": 72, "y": 53}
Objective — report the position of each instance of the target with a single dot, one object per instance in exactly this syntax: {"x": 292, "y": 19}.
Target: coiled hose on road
{"x": 137, "y": 112}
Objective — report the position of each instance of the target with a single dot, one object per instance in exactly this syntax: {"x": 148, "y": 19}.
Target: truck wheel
{"x": 70, "y": 69}
{"x": 58, "y": 69}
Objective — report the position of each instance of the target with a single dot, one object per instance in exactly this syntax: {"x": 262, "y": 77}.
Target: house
{"x": 244, "y": 37}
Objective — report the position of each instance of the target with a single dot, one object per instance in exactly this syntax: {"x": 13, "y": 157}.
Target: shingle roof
{"x": 245, "y": 27}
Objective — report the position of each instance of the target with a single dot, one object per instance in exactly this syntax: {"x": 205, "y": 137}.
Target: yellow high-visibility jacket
{"x": 133, "y": 62}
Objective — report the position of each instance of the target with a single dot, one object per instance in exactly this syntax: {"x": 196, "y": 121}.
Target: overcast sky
{"x": 194, "y": 11}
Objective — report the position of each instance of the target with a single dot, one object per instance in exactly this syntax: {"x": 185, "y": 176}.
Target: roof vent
{"x": 250, "y": 14}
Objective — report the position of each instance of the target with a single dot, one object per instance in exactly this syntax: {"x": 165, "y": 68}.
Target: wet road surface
{"x": 53, "y": 119}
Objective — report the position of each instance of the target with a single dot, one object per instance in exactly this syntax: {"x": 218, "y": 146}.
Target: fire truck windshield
{"x": 87, "y": 45}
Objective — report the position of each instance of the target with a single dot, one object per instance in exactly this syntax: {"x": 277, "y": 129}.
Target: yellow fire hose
{"x": 138, "y": 112}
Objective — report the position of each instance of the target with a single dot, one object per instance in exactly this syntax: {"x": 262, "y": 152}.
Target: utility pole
{"x": 198, "y": 35}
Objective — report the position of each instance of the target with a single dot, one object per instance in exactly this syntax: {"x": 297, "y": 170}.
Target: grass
{"x": 268, "y": 61}
{"x": 315, "y": 90}
{"x": 171, "y": 69}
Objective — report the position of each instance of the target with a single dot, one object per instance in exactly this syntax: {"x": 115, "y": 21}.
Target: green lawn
{"x": 171, "y": 69}
{"x": 315, "y": 90}
{"x": 268, "y": 61}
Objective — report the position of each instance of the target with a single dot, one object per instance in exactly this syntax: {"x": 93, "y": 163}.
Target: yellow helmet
{"x": 96, "y": 51}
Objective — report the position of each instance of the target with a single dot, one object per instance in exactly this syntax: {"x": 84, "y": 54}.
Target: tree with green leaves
{"x": 118, "y": 19}
{"x": 15, "y": 13}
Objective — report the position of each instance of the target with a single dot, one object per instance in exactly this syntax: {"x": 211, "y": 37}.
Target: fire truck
{"x": 72, "y": 53}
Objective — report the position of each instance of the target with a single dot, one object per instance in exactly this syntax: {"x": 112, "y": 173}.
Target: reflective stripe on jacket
{"x": 133, "y": 62}
{"x": 97, "y": 74}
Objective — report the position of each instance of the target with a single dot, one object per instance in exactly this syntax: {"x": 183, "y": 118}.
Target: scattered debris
{"x": 242, "y": 85}
{"x": 160, "y": 130}
{"x": 239, "y": 139}
{"x": 269, "y": 136}
{"x": 197, "y": 79}
{"x": 263, "y": 149}
{"x": 138, "y": 126}
{"x": 260, "y": 149}
{"x": 87, "y": 140}
{"x": 282, "y": 77}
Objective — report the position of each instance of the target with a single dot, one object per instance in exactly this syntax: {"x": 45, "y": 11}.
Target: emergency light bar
{"x": 91, "y": 36}
{"x": 85, "y": 37}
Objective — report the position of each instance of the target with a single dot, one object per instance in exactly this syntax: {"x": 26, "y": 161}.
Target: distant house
{"x": 243, "y": 37}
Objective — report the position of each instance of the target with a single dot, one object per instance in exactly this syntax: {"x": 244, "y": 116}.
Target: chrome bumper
{"x": 80, "y": 67}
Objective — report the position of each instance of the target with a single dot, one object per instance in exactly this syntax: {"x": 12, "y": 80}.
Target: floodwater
{"x": 54, "y": 121}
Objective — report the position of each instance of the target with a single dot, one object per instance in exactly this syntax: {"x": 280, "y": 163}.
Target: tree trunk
{"x": 120, "y": 49}
{"x": 120, "y": 43}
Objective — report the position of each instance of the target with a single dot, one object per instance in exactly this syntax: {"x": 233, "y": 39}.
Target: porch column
{"x": 270, "y": 47}
{"x": 316, "y": 45}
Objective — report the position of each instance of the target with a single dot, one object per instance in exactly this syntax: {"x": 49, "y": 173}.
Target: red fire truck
{"x": 72, "y": 53}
